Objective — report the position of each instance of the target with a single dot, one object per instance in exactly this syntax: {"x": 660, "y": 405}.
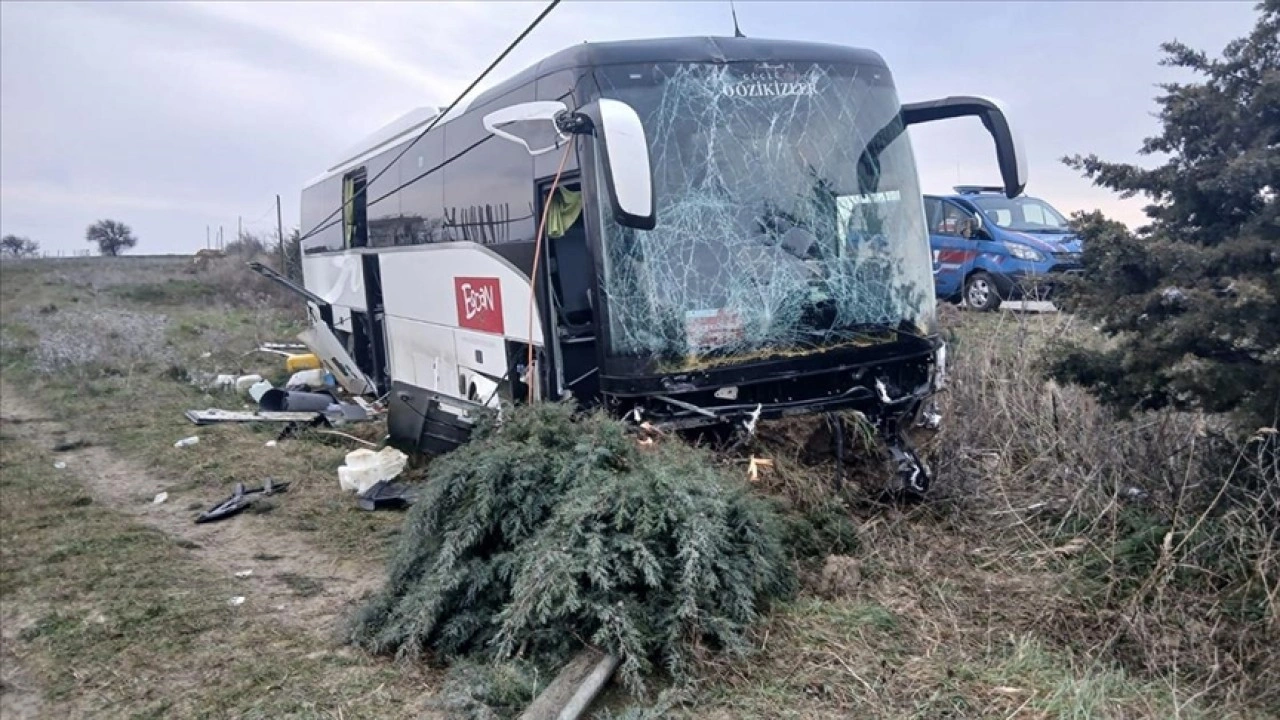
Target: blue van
{"x": 988, "y": 248}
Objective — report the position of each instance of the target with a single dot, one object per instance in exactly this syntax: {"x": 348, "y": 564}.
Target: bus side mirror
{"x": 624, "y": 152}
{"x": 620, "y": 140}
{"x": 1009, "y": 152}
{"x": 531, "y": 124}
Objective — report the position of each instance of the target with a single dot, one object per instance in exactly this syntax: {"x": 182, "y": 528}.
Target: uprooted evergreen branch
{"x": 548, "y": 532}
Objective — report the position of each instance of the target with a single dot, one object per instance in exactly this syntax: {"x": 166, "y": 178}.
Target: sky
{"x": 177, "y": 117}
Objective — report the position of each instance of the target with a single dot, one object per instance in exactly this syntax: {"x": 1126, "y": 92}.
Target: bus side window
{"x": 354, "y": 209}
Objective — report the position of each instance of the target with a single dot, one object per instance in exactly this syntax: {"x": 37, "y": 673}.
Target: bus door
{"x": 570, "y": 273}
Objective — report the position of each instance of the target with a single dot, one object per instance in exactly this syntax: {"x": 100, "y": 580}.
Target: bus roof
{"x": 589, "y": 54}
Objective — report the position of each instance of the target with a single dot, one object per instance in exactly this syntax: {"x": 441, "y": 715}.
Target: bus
{"x": 685, "y": 232}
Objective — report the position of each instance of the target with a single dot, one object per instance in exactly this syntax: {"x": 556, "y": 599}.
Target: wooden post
{"x": 571, "y": 692}
{"x": 284, "y": 270}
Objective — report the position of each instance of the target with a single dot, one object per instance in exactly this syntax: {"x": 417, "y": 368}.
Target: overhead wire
{"x": 436, "y": 120}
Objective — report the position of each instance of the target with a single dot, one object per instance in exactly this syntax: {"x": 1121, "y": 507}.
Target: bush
{"x": 547, "y": 532}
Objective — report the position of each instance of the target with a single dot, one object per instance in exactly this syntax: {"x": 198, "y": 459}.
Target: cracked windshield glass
{"x": 789, "y": 214}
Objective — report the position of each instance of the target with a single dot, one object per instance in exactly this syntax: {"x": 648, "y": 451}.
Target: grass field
{"x": 1068, "y": 565}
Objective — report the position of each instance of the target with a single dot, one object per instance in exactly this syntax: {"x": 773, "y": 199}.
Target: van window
{"x": 949, "y": 220}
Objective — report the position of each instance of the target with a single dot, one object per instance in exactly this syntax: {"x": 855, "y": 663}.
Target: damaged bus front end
{"x": 782, "y": 263}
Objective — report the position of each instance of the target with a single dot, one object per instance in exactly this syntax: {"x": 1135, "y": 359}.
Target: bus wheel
{"x": 980, "y": 292}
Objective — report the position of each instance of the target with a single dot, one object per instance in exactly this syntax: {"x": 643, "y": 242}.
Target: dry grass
{"x": 1066, "y": 566}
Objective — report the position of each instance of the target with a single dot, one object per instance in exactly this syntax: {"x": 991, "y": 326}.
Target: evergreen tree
{"x": 1192, "y": 300}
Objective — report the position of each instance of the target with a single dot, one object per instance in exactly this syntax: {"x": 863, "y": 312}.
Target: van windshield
{"x": 789, "y": 213}
{"x": 1023, "y": 214}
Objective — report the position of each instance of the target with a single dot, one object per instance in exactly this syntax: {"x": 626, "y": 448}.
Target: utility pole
{"x": 206, "y": 238}
{"x": 280, "y": 234}
{"x": 239, "y": 229}
{"x": 219, "y": 237}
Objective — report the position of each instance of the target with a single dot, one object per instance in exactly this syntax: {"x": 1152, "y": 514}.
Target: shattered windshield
{"x": 789, "y": 214}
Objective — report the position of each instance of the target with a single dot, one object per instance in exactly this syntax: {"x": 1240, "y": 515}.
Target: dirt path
{"x": 19, "y": 695}
{"x": 225, "y": 548}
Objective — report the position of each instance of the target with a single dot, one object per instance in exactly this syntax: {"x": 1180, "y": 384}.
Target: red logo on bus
{"x": 479, "y": 304}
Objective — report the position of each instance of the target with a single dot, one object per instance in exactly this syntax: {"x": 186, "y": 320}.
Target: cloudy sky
{"x": 175, "y": 116}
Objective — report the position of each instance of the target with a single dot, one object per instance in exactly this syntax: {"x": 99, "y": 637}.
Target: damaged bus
{"x": 688, "y": 232}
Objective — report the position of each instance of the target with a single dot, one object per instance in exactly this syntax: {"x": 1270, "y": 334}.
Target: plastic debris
{"x": 239, "y": 500}
{"x": 364, "y": 468}
{"x": 305, "y": 361}
{"x": 160, "y": 497}
{"x": 244, "y": 382}
{"x": 222, "y": 382}
{"x": 272, "y": 443}
{"x": 187, "y": 441}
{"x": 244, "y": 573}
{"x": 384, "y": 495}
{"x": 258, "y": 389}
{"x": 236, "y": 601}
{"x": 60, "y": 466}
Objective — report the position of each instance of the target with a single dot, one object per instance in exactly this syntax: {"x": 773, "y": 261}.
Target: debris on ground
{"x": 386, "y": 495}
{"x": 313, "y": 379}
{"x": 571, "y": 692}
{"x": 755, "y": 465}
{"x": 244, "y": 574}
{"x": 301, "y": 362}
{"x": 236, "y": 601}
{"x": 240, "y": 499}
{"x": 70, "y": 445}
{"x": 258, "y": 389}
{"x": 59, "y": 466}
{"x": 244, "y": 382}
{"x": 221, "y": 382}
{"x": 364, "y": 468}
{"x": 213, "y": 415}
{"x": 160, "y": 498}
{"x": 277, "y": 400}
{"x": 187, "y": 441}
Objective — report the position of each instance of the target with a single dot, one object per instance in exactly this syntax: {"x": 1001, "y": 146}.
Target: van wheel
{"x": 980, "y": 292}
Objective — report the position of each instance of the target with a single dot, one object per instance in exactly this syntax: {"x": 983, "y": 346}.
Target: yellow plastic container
{"x": 296, "y": 363}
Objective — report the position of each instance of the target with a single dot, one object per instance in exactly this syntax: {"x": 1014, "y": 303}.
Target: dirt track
{"x": 225, "y": 548}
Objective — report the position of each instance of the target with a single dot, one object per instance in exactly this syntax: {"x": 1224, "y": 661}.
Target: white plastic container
{"x": 244, "y": 382}
{"x": 258, "y": 389}
{"x": 363, "y": 468}
{"x": 187, "y": 441}
{"x": 312, "y": 379}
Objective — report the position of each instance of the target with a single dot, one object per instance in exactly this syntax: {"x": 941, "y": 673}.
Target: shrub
{"x": 546, "y": 532}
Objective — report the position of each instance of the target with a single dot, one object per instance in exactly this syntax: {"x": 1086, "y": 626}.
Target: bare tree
{"x": 111, "y": 236}
{"x": 14, "y": 246}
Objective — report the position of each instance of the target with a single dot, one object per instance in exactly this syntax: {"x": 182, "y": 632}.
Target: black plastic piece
{"x": 239, "y": 500}
{"x": 384, "y": 495}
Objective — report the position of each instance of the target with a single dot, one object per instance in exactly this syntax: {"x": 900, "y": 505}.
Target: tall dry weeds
{"x": 1169, "y": 522}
